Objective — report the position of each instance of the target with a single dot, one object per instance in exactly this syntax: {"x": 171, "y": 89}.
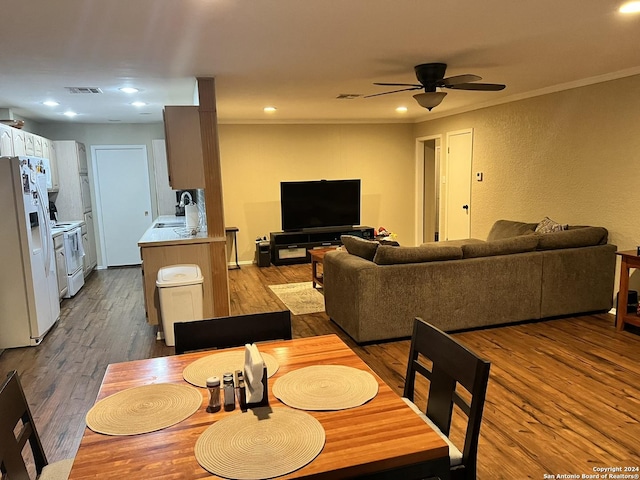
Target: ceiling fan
{"x": 431, "y": 76}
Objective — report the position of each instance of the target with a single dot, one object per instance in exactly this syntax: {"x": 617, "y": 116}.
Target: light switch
{"x": 479, "y": 176}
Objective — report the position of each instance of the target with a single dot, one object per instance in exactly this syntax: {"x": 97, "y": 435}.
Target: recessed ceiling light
{"x": 50, "y": 103}
{"x": 401, "y": 109}
{"x": 138, "y": 104}
{"x": 69, "y": 113}
{"x": 630, "y": 7}
{"x": 269, "y": 109}
{"x": 129, "y": 90}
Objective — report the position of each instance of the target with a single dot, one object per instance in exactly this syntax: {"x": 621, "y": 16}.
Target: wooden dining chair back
{"x": 16, "y": 429}
{"x": 224, "y": 332}
{"x": 452, "y": 364}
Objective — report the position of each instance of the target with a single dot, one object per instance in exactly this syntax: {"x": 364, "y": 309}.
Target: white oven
{"x": 74, "y": 254}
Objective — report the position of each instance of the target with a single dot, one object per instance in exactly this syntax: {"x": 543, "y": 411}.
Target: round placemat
{"x": 219, "y": 363}
{"x": 260, "y": 443}
{"x": 144, "y": 409}
{"x": 325, "y": 387}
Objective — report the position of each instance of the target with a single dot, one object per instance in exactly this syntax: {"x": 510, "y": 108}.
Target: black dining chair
{"x": 224, "y": 332}
{"x": 452, "y": 364}
{"x": 16, "y": 428}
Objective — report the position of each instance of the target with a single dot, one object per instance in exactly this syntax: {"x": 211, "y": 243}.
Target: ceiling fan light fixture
{"x": 430, "y": 100}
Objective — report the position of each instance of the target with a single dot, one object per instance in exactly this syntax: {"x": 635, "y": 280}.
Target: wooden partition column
{"x": 213, "y": 195}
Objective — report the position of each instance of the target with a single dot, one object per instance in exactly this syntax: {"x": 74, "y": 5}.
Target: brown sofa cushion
{"x": 508, "y": 228}
{"x": 505, "y": 246}
{"x": 359, "y": 246}
{"x": 573, "y": 238}
{"x": 387, "y": 255}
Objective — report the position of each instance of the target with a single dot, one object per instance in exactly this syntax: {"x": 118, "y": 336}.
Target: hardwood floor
{"x": 563, "y": 397}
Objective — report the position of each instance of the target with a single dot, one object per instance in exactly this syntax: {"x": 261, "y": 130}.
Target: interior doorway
{"x": 428, "y": 189}
{"x": 124, "y": 201}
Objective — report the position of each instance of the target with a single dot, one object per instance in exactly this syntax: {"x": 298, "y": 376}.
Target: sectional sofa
{"x": 373, "y": 292}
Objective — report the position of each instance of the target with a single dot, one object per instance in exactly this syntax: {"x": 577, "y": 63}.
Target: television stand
{"x": 288, "y": 248}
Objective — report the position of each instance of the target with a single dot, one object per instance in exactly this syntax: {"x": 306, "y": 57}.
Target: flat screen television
{"x": 319, "y": 203}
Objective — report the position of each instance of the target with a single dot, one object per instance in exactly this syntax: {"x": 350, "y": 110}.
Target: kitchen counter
{"x": 171, "y": 245}
{"x": 173, "y": 233}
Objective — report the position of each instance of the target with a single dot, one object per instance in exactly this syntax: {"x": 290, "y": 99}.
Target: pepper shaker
{"x": 228, "y": 392}
{"x": 213, "y": 385}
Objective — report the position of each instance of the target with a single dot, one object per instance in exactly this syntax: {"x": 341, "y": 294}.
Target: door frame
{"x": 419, "y": 186}
{"x": 96, "y": 189}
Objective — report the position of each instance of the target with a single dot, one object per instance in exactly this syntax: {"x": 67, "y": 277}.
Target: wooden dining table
{"x": 383, "y": 438}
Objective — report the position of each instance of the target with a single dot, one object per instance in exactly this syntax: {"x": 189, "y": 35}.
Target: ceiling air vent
{"x": 348, "y": 96}
{"x": 83, "y": 89}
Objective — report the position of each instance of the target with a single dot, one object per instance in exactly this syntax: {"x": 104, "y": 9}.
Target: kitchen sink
{"x": 168, "y": 225}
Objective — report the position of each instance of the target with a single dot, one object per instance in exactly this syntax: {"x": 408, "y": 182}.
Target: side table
{"x": 630, "y": 259}
{"x": 317, "y": 257}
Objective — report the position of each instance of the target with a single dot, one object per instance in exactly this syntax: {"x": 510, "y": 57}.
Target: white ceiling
{"x": 299, "y": 55}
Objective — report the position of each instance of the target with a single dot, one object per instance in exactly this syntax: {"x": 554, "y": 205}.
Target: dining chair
{"x": 452, "y": 364}
{"x": 224, "y": 332}
{"x": 16, "y": 428}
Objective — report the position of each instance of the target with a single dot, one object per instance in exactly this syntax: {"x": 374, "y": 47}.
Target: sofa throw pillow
{"x": 359, "y": 246}
{"x": 505, "y": 246}
{"x": 387, "y": 255}
{"x": 547, "y": 226}
{"x": 509, "y": 228}
{"x": 573, "y": 238}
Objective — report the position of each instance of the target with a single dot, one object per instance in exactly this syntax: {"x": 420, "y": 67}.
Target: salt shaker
{"x": 213, "y": 385}
{"x": 228, "y": 392}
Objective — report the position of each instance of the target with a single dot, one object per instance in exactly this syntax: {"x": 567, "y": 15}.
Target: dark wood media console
{"x": 292, "y": 247}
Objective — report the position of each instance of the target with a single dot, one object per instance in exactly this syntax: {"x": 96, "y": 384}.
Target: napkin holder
{"x": 265, "y": 392}
{"x": 255, "y": 378}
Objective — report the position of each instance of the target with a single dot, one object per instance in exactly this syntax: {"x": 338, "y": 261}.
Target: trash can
{"x": 180, "y": 292}
{"x": 263, "y": 254}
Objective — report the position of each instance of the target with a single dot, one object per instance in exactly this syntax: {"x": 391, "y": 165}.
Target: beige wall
{"x": 573, "y": 156}
{"x": 256, "y": 158}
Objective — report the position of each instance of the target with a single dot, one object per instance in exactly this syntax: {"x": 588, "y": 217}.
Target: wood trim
{"x": 213, "y": 194}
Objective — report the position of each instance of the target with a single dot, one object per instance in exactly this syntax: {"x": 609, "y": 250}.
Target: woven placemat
{"x": 144, "y": 409}
{"x": 219, "y": 363}
{"x": 260, "y": 443}
{"x": 325, "y": 387}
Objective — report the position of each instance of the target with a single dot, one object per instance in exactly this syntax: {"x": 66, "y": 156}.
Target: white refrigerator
{"x": 29, "y": 303}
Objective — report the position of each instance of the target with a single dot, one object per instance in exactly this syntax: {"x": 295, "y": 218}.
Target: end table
{"x": 630, "y": 259}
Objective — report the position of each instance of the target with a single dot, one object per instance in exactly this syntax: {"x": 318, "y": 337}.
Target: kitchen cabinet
{"x": 70, "y": 202}
{"x": 61, "y": 265}
{"x": 29, "y": 145}
{"x": 37, "y": 145}
{"x": 184, "y": 147}
{"x": 18, "y": 137}
{"x": 49, "y": 152}
{"x": 89, "y": 244}
{"x": 6, "y": 141}
{"x": 85, "y": 192}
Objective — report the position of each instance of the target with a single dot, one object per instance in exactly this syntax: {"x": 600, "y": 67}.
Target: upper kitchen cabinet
{"x": 49, "y": 152}
{"x": 184, "y": 147}
{"x": 74, "y": 198}
{"x": 18, "y": 137}
{"x": 37, "y": 145}
{"x": 29, "y": 144}
{"x": 6, "y": 141}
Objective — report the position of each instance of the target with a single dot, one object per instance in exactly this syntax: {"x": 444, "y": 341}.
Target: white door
{"x": 124, "y": 203}
{"x": 459, "y": 156}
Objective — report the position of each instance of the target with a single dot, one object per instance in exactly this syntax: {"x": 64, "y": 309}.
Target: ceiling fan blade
{"x": 416, "y": 87}
{"x": 487, "y": 87}
{"x": 399, "y": 85}
{"x": 457, "y": 79}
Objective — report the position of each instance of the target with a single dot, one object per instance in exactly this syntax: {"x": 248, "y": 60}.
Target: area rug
{"x": 299, "y": 298}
